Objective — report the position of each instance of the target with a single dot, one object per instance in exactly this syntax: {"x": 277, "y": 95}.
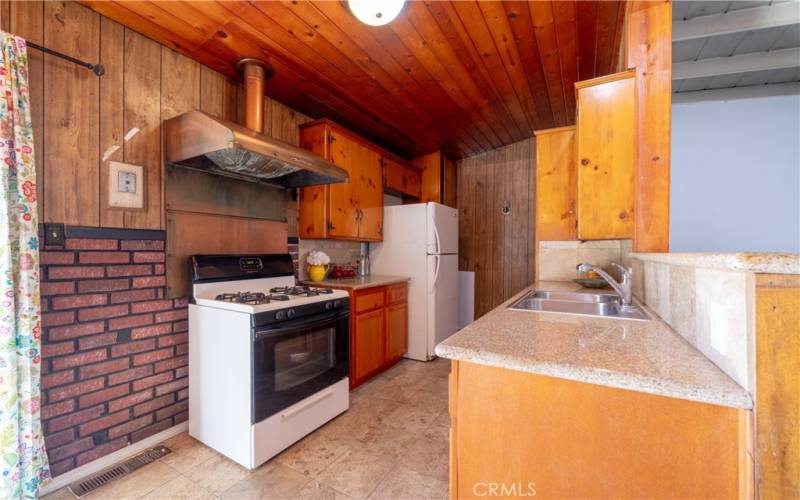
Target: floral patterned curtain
{"x": 23, "y": 460}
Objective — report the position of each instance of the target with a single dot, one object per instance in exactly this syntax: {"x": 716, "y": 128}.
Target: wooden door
{"x": 396, "y": 331}
{"x": 368, "y": 345}
{"x": 368, "y": 180}
{"x": 343, "y": 198}
{"x": 606, "y": 132}
{"x": 556, "y": 184}
{"x": 313, "y": 201}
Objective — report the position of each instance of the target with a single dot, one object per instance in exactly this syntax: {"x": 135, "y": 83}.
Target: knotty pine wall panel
{"x": 71, "y": 109}
{"x": 498, "y": 247}
{"x": 81, "y": 121}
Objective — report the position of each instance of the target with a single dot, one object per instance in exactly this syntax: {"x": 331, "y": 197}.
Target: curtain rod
{"x": 98, "y": 69}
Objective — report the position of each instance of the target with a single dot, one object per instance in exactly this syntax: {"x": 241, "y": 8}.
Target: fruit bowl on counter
{"x": 343, "y": 271}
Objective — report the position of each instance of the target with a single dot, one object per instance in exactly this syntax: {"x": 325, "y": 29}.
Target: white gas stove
{"x": 268, "y": 360}
{"x": 262, "y": 294}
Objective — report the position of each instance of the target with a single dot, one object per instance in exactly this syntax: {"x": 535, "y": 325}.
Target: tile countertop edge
{"x": 648, "y": 385}
{"x": 771, "y": 263}
{"x": 357, "y": 283}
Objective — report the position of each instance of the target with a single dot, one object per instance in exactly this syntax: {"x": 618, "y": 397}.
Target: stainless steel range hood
{"x": 200, "y": 141}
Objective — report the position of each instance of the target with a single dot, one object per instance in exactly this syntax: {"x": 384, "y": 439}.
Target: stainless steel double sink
{"x": 603, "y": 305}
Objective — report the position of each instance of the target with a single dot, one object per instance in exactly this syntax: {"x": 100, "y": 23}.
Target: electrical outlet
{"x": 125, "y": 185}
{"x": 54, "y": 235}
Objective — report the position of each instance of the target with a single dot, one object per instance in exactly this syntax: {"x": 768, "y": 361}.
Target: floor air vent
{"x": 105, "y": 476}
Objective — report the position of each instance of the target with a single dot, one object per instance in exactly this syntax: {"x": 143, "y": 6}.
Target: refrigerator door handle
{"x": 436, "y": 273}
{"x": 436, "y": 238}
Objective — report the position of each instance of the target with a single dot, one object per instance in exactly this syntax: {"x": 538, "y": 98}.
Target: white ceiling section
{"x": 723, "y": 44}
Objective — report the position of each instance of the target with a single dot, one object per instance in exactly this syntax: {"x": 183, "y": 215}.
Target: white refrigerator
{"x": 421, "y": 241}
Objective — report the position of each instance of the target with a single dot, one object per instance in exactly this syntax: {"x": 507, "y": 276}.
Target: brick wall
{"x": 114, "y": 349}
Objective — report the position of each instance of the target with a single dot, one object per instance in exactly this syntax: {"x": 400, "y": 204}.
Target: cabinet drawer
{"x": 369, "y": 300}
{"x": 396, "y": 294}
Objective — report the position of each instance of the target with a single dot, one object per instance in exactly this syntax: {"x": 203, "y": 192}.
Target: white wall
{"x": 735, "y": 179}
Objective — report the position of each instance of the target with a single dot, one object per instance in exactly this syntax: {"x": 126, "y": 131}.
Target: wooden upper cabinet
{"x": 369, "y": 183}
{"x": 343, "y": 198}
{"x": 556, "y": 184}
{"x": 438, "y": 178}
{"x": 313, "y": 201}
{"x": 351, "y": 210}
{"x": 401, "y": 179}
{"x": 606, "y": 135}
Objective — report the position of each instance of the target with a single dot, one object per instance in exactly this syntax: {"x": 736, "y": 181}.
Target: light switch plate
{"x": 127, "y": 182}
{"x": 125, "y": 185}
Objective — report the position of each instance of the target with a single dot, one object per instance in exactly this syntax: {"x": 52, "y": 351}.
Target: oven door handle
{"x": 319, "y": 320}
{"x": 309, "y": 402}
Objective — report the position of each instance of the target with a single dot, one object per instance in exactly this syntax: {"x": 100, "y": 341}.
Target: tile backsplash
{"x": 338, "y": 251}
{"x": 710, "y": 308}
{"x": 558, "y": 259}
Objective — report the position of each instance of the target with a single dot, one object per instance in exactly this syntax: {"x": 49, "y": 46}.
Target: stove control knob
{"x": 280, "y": 315}
{"x": 337, "y": 304}
{"x": 290, "y": 313}
{"x": 328, "y": 306}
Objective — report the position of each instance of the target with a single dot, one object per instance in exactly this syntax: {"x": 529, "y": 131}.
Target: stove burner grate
{"x": 250, "y": 298}
{"x": 301, "y": 291}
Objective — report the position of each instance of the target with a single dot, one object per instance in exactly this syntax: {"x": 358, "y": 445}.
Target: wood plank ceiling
{"x": 463, "y": 76}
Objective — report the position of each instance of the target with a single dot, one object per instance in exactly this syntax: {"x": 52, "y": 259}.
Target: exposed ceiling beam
{"x": 756, "y": 61}
{"x": 768, "y": 16}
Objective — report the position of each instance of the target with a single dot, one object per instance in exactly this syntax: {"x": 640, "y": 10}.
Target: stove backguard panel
{"x": 209, "y": 214}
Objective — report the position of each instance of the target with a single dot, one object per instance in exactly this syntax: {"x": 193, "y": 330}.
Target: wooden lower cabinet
{"x": 368, "y": 342}
{"x": 378, "y": 330}
{"x": 516, "y": 434}
{"x": 396, "y": 331}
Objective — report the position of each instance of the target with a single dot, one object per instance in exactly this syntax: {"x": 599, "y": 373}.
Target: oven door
{"x": 296, "y": 359}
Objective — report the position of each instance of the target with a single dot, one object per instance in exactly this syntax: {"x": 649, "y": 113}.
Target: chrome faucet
{"x": 623, "y": 288}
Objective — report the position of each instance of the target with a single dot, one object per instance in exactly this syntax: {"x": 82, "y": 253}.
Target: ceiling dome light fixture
{"x": 376, "y": 12}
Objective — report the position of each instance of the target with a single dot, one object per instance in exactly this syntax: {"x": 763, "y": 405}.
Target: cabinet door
{"x": 606, "y": 156}
{"x": 393, "y": 175}
{"x": 368, "y": 331}
{"x": 556, "y": 184}
{"x": 412, "y": 182}
{"x": 431, "y": 166}
{"x": 369, "y": 185}
{"x": 343, "y": 198}
{"x": 396, "y": 331}
{"x": 401, "y": 178}
{"x": 313, "y": 201}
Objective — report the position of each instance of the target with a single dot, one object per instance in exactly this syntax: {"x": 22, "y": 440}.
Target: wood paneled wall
{"x": 498, "y": 247}
{"x": 81, "y": 121}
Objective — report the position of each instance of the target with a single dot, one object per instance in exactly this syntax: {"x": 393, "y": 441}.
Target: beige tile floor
{"x": 391, "y": 444}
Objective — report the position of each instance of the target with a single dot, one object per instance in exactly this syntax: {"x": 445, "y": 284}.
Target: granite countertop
{"x": 357, "y": 282}
{"x": 757, "y": 262}
{"x": 645, "y": 356}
